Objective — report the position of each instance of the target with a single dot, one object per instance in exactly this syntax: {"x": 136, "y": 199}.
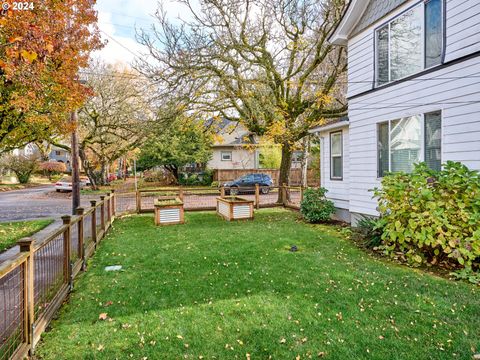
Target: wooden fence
{"x": 205, "y": 199}
{"x": 35, "y": 282}
{"x": 313, "y": 176}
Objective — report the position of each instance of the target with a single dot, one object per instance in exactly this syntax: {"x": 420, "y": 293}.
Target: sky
{"x": 117, "y": 20}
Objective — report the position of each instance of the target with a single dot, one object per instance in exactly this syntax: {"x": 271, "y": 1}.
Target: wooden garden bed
{"x": 169, "y": 211}
{"x": 234, "y": 208}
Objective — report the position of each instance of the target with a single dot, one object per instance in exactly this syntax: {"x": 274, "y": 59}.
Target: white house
{"x": 235, "y": 147}
{"x": 413, "y": 93}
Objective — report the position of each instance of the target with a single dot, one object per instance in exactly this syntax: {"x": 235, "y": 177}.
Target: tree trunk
{"x": 103, "y": 172}
{"x": 306, "y": 154}
{"x": 285, "y": 166}
{"x": 88, "y": 169}
{"x": 173, "y": 169}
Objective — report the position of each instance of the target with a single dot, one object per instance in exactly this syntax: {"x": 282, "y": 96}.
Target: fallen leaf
{"x": 283, "y": 341}
{"x": 103, "y": 316}
{"x": 180, "y": 337}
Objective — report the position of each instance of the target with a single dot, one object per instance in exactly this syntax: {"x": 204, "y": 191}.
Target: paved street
{"x": 34, "y": 203}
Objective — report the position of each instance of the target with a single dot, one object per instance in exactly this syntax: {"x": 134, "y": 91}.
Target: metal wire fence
{"x": 12, "y": 311}
{"x": 49, "y": 274}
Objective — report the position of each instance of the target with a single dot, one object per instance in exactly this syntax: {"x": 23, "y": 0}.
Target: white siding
{"x": 241, "y": 158}
{"x": 462, "y": 38}
{"x": 338, "y": 190}
{"x": 456, "y": 96}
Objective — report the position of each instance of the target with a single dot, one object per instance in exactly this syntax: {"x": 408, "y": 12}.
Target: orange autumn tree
{"x": 41, "y": 51}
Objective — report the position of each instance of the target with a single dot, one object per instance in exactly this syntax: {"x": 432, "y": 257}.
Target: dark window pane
{"x": 433, "y": 33}
{"x": 382, "y": 55}
{"x": 382, "y": 149}
{"x": 337, "y": 171}
{"x": 433, "y": 140}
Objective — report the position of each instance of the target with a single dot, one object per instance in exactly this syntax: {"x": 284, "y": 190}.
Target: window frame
{"x": 422, "y": 138}
{"x": 421, "y": 3}
{"x": 333, "y": 133}
{"x": 225, "y": 153}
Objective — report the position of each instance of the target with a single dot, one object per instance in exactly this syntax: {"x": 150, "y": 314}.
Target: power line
{"x": 123, "y": 46}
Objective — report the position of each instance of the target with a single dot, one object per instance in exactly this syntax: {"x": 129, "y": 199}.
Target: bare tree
{"x": 266, "y": 63}
{"x": 114, "y": 121}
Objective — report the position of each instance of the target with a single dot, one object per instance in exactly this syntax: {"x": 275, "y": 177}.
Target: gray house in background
{"x": 60, "y": 155}
{"x": 413, "y": 93}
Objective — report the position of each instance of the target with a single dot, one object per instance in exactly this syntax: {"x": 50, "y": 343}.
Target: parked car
{"x": 65, "y": 183}
{"x": 247, "y": 184}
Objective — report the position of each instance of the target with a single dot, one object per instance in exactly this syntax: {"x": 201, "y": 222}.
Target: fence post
{"x": 284, "y": 194}
{"x": 222, "y": 191}
{"x": 302, "y": 189}
{"x": 93, "y": 204}
{"x": 81, "y": 240}
{"x": 180, "y": 193}
{"x": 102, "y": 212}
{"x": 138, "y": 199}
{"x": 67, "y": 271}
{"x": 26, "y": 245}
{"x": 108, "y": 210}
{"x": 114, "y": 202}
{"x": 257, "y": 196}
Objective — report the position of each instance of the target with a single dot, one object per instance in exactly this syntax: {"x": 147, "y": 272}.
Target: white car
{"x": 65, "y": 184}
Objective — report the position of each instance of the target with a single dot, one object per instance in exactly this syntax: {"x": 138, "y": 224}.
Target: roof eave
{"x": 352, "y": 16}
{"x": 328, "y": 127}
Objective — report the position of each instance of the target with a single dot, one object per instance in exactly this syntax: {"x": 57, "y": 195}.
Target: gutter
{"x": 334, "y": 126}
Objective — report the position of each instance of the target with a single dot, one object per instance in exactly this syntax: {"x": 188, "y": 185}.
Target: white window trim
{"x": 423, "y": 67}
{"x": 340, "y": 132}
{"x": 422, "y": 138}
{"x": 226, "y": 153}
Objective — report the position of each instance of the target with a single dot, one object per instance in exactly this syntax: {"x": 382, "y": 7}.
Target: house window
{"x": 226, "y": 155}
{"x": 410, "y": 43}
{"x": 401, "y": 144}
{"x": 297, "y": 156}
{"x": 57, "y": 153}
{"x": 336, "y": 156}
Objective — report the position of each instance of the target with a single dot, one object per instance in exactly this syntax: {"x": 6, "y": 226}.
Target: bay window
{"x": 409, "y": 43}
{"x": 409, "y": 140}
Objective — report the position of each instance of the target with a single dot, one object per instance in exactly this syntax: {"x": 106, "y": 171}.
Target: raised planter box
{"x": 234, "y": 208}
{"x": 169, "y": 211}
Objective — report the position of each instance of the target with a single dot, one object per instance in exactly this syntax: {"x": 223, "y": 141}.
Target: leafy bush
{"x": 315, "y": 207}
{"x": 51, "y": 168}
{"x": 154, "y": 176}
{"x": 371, "y": 230}
{"x": 215, "y": 184}
{"x": 204, "y": 178}
{"x": 432, "y": 216}
{"x": 22, "y": 166}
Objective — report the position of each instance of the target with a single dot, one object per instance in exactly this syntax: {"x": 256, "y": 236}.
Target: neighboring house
{"x": 56, "y": 153}
{"x": 413, "y": 92}
{"x": 60, "y": 155}
{"x": 235, "y": 147}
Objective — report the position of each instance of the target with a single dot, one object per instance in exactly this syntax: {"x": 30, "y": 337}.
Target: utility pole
{"x": 74, "y": 162}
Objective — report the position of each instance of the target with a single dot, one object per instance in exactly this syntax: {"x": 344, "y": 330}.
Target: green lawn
{"x": 10, "y": 232}
{"x": 216, "y": 290}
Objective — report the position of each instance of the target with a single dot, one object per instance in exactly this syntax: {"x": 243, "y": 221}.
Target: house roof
{"x": 232, "y": 133}
{"x": 359, "y": 15}
{"x": 331, "y": 125}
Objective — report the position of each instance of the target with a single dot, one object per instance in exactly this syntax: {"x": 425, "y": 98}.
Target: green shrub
{"x": 215, "y": 184}
{"x": 371, "y": 230}
{"x": 315, "y": 207}
{"x": 432, "y": 216}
